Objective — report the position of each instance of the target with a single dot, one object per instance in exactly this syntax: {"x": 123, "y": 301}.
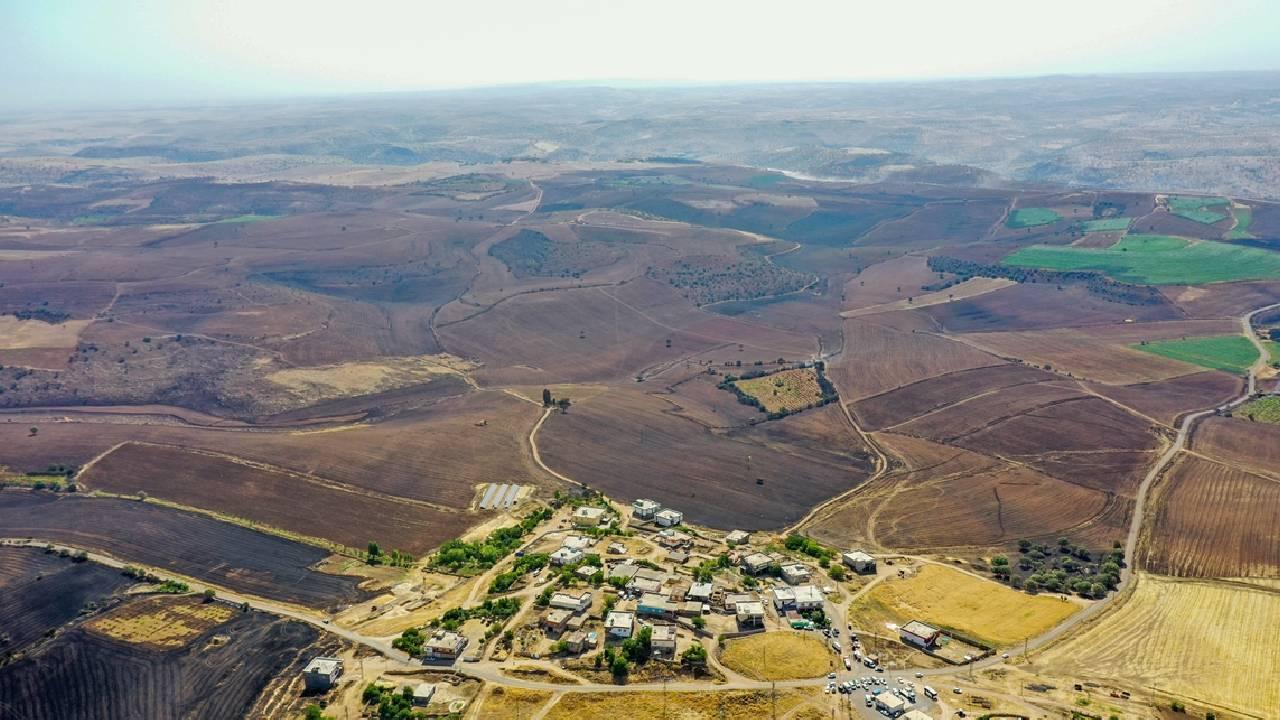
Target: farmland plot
{"x": 1177, "y": 636}
{"x": 1213, "y": 520}
{"x": 193, "y": 545}
{"x": 81, "y": 675}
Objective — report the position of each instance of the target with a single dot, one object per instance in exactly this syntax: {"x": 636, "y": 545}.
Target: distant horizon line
{"x": 244, "y": 99}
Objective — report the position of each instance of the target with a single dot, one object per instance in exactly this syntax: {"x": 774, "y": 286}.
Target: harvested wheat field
{"x": 160, "y": 623}
{"x": 1198, "y": 640}
{"x": 781, "y": 655}
{"x": 1214, "y": 520}
{"x": 951, "y": 599}
{"x": 722, "y": 705}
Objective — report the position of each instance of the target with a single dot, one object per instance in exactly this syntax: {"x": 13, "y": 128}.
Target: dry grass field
{"x": 1213, "y": 520}
{"x": 503, "y": 703}
{"x": 718, "y": 705}
{"x": 18, "y": 334}
{"x": 1199, "y": 641}
{"x": 160, "y": 622}
{"x": 786, "y": 391}
{"x": 1250, "y": 446}
{"x": 950, "y": 598}
{"x": 783, "y": 655}
{"x": 1166, "y": 400}
{"x": 888, "y": 282}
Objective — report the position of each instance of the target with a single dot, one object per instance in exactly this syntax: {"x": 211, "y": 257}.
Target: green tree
{"x": 374, "y": 553}
{"x": 694, "y": 655}
{"x": 837, "y": 572}
{"x": 619, "y": 666}
{"x": 699, "y": 622}
{"x": 546, "y": 397}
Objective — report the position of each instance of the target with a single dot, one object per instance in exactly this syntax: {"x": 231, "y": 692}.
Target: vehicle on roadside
{"x": 930, "y": 693}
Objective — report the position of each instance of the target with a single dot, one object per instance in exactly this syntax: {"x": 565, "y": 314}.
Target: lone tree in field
{"x": 563, "y": 404}
{"x": 34, "y": 430}
{"x": 546, "y": 397}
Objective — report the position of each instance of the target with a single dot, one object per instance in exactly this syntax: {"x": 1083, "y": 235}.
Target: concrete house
{"x": 784, "y": 598}
{"x": 756, "y": 563}
{"x": 645, "y": 509}
{"x": 700, "y": 591}
{"x": 619, "y": 624}
{"x": 859, "y": 562}
{"x": 578, "y": 542}
{"x": 557, "y": 620}
{"x": 918, "y": 634}
{"x": 444, "y": 645}
{"x": 668, "y": 517}
{"x": 750, "y": 614}
{"x": 737, "y": 537}
{"x": 655, "y": 605}
{"x": 796, "y": 574}
{"x": 422, "y": 694}
{"x": 663, "y": 640}
{"x": 572, "y": 602}
{"x": 808, "y": 597}
{"x": 644, "y": 585}
{"x": 731, "y": 600}
{"x": 566, "y": 556}
{"x": 589, "y": 517}
{"x": 322, "y": 673}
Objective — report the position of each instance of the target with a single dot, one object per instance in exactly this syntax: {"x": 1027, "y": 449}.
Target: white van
{"x": 930, "y": 693}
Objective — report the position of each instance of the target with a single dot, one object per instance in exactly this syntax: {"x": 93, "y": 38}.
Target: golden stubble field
{"x": 969, "y": 604}
{"x": 781, "y": 655}
{"x": 1203, "y": 641}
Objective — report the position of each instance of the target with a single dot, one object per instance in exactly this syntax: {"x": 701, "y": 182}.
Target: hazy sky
{"x": 127, "y": 51}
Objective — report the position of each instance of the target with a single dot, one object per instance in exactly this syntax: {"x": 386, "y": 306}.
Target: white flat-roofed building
{"x": 644, "y": 509}
{"x": 668, "y": 517}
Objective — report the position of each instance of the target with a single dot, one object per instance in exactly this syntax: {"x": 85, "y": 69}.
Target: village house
{"x": 589, "y": 517}
{"x": 737, "y": 537}
{"x": 617, "y": 548}
{"x": 750, "y": 614}
{"x": 322, "y": 673}
{"x": 796, "y": 574}
{"x": 422, "y": 694}
{"x": 668, "y": 517}
{"x": 556, "y": 620}
{"x": 663, "y": 641}
{"x": 701, "y": 591}
{"x": 444, "y": 645}
{"x": 756, "y": 563}
{"x": 640, "y": 584}
{"x": 674, "y": 540}
{"x": 808, "y": 597}
{"x": 586, "y": 571}
{"x": 619, "y": 624}
{"x": 645, "y": 509}
{"x": 623, "y": 571}
{"x": 578, "y": 542}
{"x": 731, "y": 600}
{"x": 580, "y": 641}
{"x": 570, "y": 601}
{"x": 918, "y": 634}
{"x": 859, "y": 562}
{"x": 655, "y": 605}
{"x": 784, "y": 598}
{"x": 566, "y": 556}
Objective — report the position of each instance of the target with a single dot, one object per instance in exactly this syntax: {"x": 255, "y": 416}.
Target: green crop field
{"x": 1244, "y": 218}
{"x": 1265, "y": 409}
{"x": 1229, "y": 353}
{"x": 1105, "y": 225}
{"x": 1031, "y": 217}
{"x": 1207, "y": 210}
{"x": 1156, "y": 260}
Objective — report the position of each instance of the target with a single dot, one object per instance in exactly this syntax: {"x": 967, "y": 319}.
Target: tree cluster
{"x": 1095, "y": 283}
{"x": 460, "y": 556}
